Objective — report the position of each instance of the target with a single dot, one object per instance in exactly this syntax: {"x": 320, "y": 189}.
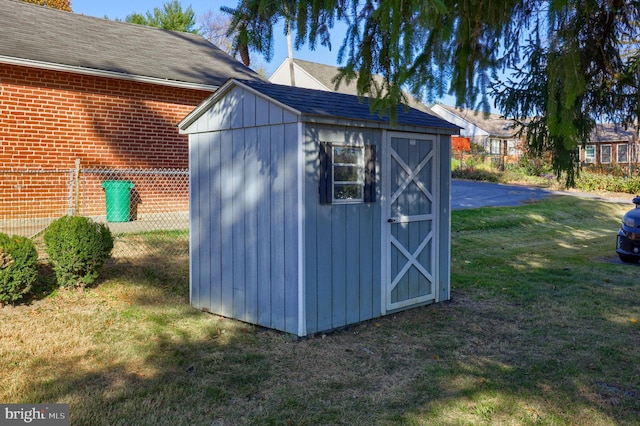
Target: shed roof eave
{"x": 107, "y": 74}
{"x": 318, "y": 119}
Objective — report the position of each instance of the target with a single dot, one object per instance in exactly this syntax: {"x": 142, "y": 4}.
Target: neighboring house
{"x": 312, "y": 75}
{"x": 309, "y": 212}
{"x": 109, "y": 94}
{"x": 495, "y": 134}
{"x": 610, "y": 145}
{"x": 498, "y": 136}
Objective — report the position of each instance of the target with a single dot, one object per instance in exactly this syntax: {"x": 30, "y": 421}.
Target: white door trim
{"x": 386, "y": 200}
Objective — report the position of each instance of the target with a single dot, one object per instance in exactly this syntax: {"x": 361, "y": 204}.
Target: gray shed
{"x": 309, "y": 213}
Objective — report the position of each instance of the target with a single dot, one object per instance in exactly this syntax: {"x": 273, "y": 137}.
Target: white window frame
{"x": 602, "y": 156}
{"x": 587, "y": 157}
{"x": 360, "y": 172}
{"x": 626, "y": 149}
{"x": 495, "y": 143}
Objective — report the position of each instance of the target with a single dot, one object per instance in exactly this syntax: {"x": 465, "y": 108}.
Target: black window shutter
{"x": 326, "y": 181}
{"x": 369, "y": 174}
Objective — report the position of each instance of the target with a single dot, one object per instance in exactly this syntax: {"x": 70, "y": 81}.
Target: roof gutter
{"x": 107, "y": 74}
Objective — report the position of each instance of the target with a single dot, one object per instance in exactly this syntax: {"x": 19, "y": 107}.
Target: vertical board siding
{"x": 241, "y": 109}
{"x": 264, "y": 228}
{"x": 249, "y": 109}
{"x": 204, "y": 205}
{"x": 239, "y": 212}
{"x": 291, "y": 168}
{"x": 352, "y": 270}
{"x": 226, "y": 220}
{"x": 338, "y": 259}
{"x": 368, "y": 250}
{"x": 196, "y": 221}
{"x": 262, "y": 111}
{"x": 235, "y": 108}
{"x": 275, "y": 114}
{"x": 277, "y": 225}
{"x": 444, "y": 225}
{"x": 245, "y": 235}
{"x": 342, "y": 243}
{"x": 252, "y": 192}
{"x": 213, "y": 191}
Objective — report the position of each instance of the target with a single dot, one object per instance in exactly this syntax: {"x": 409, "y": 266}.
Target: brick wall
{"x": 48, "y": 119}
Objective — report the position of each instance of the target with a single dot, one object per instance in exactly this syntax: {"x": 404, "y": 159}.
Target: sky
{"x": 119, "y": 9}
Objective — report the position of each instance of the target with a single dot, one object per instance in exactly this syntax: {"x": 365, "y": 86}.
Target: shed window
{"x": 605, "y": 154}
{"x": 590, "y": 154}
{"x": 347, "y": 173}
{"x": 622, "y": 153}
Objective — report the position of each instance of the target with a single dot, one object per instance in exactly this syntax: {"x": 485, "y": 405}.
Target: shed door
{"x": 409, "y": 230}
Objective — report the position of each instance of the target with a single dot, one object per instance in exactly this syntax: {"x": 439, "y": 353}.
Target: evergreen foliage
{"x": 18, "y": 267}
{"x": 557, "y": 67}
{"x": 170, "y": 17}
{"x": 77, "y": 248}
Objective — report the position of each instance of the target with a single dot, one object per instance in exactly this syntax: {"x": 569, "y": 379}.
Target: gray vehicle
{"x": 628, "y": 246}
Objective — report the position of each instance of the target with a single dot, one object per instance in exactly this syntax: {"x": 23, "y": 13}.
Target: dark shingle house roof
{"x": 607, "y": 132}
{"x": 323, "y": 104}
{"x": 37, "y": 36}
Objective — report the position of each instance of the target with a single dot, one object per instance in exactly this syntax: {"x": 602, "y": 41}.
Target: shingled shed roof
{"x": 37, "y": 36}
{"x": 317, "y": 104}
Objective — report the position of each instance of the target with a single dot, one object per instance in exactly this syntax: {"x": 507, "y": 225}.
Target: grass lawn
{"x": 543, "y": 329}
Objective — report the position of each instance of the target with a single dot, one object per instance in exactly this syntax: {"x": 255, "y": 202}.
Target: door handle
{"x": 391, "y": 220}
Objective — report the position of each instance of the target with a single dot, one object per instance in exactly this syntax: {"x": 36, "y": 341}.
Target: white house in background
{"x": 312, "y": 75}
{"x": 497, "y": 135}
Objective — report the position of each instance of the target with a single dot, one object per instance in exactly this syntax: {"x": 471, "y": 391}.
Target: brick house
{"x": 610, "y": 145}
{"x": 107, "y": 93}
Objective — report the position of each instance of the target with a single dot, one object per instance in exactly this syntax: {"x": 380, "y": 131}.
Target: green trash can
{"x": 118, "y": 195}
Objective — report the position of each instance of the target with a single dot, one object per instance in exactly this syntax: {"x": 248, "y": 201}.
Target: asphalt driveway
{"x": 470, "y": 195}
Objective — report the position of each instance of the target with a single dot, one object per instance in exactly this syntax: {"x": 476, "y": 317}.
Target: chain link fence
{"x": 147, "y": 210}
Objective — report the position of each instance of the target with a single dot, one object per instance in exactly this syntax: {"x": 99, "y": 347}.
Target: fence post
{"x": 77, "y": 195}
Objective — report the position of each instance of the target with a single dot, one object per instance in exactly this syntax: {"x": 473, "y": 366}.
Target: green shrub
{"x": 77, "y": 249}
{"x": 533, "y": 166}
{"x": 590, "y": 181}
{"x": 474, "y": 174}
{"x": 472, "y": 162}
{"x": 18, "y": 267}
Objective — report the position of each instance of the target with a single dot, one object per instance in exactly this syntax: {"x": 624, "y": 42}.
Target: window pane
{"x": 496, "y": 146}
{"x": 590, "y": 153}
{"x": 605, "y": 154}
{"x": 622, "y": 154}
{"x": 346, "y": 155}
{"x": 347, "y": 192}
{"x": 347, "y": 174}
